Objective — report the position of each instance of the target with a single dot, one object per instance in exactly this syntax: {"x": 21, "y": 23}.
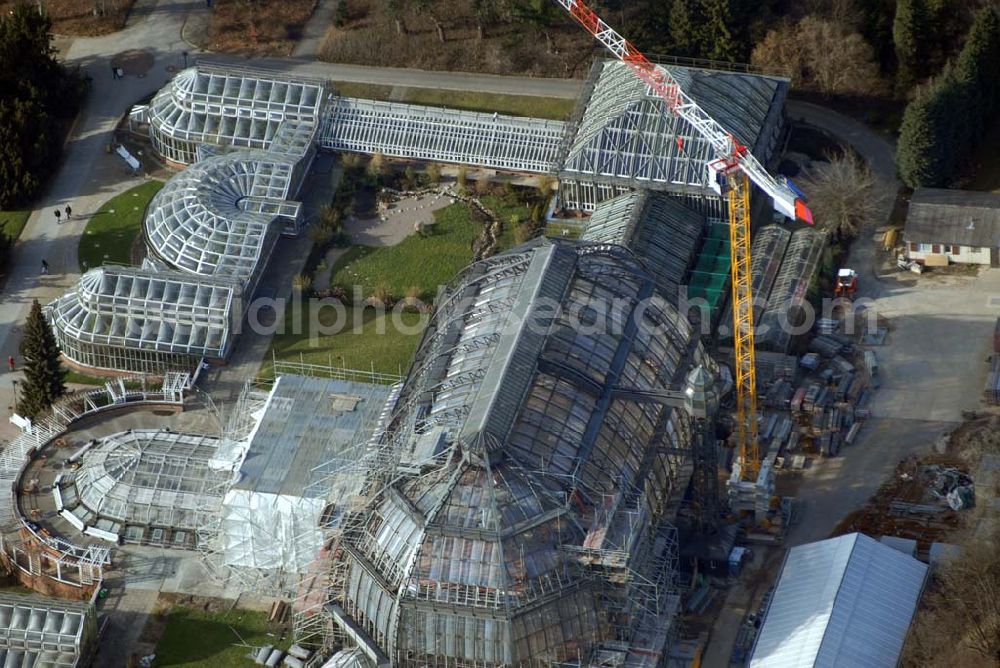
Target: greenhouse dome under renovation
{"x": 519, "y": 509}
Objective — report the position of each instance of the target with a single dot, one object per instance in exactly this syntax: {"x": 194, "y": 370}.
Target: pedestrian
{"x": 10, "y": 362}
{"x": 58, "y": 215}
{"x": 45, "y": 267}
{"x": 114, "y": 71}
{"x": 69, "y": 212}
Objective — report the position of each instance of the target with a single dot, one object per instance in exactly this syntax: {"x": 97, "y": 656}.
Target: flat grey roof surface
{"x": 308, "y": 422}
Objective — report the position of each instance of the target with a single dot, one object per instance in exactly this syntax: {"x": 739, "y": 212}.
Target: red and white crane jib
{"x": 729, "y": 151}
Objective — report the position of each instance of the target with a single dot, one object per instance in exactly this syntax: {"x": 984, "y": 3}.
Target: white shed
{"x": 845, "y": 601}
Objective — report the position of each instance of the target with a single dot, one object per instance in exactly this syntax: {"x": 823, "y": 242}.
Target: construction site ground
{"x": 932, "y": 366}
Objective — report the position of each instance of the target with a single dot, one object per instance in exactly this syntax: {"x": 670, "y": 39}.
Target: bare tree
{"x": 845, "y": 195}
{"x": 820, "y": 55}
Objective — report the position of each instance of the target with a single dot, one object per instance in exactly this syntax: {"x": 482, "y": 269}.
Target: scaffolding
{"x": 519, "y": 505}
{"x": 299, "y": 454}
{"x": 145, "y": 321}
{"x": 25, "y": 546}
{"x": 442, "y": 135}
{"x": 147, "y": 486}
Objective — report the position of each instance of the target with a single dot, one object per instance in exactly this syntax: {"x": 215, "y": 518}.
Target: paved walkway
{"x": 88, "y": 175}
{"x": 315, "y": 29}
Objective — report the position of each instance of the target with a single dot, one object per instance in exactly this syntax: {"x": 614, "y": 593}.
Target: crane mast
{"x": 736, "y": 164}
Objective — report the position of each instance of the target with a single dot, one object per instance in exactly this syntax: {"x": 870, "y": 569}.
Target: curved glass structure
{"x": 525, "y": 520}
{"x": 145, "y": 321}
{"x": 214, "y": 218}
{"x": 135, "y": 482}
{"x": 227, "y": 107}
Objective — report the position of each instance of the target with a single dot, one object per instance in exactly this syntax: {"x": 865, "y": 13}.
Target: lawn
{"x": 422, "y": 264}
{"x": 417, "y": 263}
{"x": 558, "y": 109}
{"x": 12, "y": 222}
{"x": 194, "y": 637}
{"x": 362, "y": 340}
{"x": 111, "y": 231}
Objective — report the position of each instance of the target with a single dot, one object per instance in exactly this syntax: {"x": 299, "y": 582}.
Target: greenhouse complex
{"x": 249, "y": 139}
{"x": 522, "y": 495}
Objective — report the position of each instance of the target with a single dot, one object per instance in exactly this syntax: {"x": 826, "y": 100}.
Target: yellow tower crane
{"x": 730, "y": 174}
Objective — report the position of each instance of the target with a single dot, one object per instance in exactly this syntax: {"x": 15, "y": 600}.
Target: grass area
{"x": 111, "y": 231}
{"x": 12, "y": 222}
{"x": 85, "y": 379}
{"x": 420, "y": 264}
{"x": 365, "y": 90}
{"x": 558, "y": 109}
{"x": 553, "y": 108}
{"x": 356, "y": 338}
{"x": 194, "y": 637}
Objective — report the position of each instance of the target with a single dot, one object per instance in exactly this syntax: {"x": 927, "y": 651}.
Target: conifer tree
{"x": 43, "y": 372}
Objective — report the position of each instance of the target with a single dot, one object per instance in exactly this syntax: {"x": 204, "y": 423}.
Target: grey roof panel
{"x": 624, "y": 133}
{"x": 308, "y": 422}
{"x": 960, "y": 217}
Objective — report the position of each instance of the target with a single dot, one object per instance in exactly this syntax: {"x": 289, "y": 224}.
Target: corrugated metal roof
{"x": 845, "y": 601}
{"x": 962, "y": 217}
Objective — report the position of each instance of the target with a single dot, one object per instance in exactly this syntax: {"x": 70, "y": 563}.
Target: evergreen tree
{"x": 685, "y": 19}
{"x": 43, "y": 372}
{"x": 978, "y": 65}
{"x": 720, "y": 41}
{"x": 36, "y": 95}
{"x": 910, "y": 34}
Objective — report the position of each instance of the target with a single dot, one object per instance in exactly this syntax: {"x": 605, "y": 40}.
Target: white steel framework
{"x": 227, "y": 106}
{"x": 145, "y": 321}
{"x": 40, "y": 554}
{"x": 442, "y": 135}
{"x": 133, "y": 483}
{"x": 215, "y": 218}
{"x": 38, "y": 631}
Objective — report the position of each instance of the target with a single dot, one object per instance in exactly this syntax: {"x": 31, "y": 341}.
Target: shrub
{"x": 434, "y": 173}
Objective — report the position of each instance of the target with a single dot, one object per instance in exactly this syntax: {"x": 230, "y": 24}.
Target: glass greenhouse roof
{"x": 149, "y": 310}
{"x": 441, "y": 135}
{"x": 214, "y": 218}
{"x": 153, "y": 477}
{"x": 625, "y": 135}
{"x": 231, "y": 106}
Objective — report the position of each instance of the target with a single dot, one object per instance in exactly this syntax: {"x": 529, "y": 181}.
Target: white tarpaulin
{"x": 270, "y": 531}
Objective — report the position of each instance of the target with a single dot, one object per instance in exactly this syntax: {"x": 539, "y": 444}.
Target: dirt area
{"x": 260, "y": 28}
{"x": 77, "y": 18}
{"x": 369, "y": 36}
